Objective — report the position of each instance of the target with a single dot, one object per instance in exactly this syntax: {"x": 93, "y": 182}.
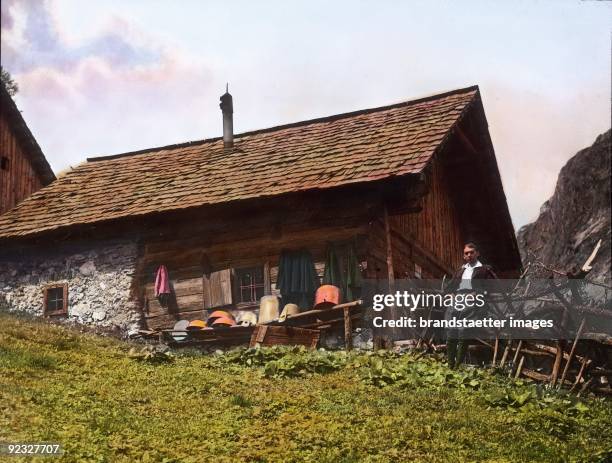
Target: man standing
{"x": 465, "y": 281}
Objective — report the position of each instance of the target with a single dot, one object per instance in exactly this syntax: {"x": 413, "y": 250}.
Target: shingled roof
{"x": 361, "y": 146}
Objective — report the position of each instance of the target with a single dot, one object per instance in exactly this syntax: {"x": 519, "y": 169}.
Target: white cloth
{"x": 466, "y": 276}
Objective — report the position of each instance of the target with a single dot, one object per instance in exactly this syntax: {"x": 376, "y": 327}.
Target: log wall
{"x": 196, "y": 253}
{"x": 19, "y": 179}
{"x": 436, "y": 228}
{"x": 431, "y": 238}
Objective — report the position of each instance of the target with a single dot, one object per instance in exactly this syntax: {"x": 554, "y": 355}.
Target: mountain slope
{"x": 576, "y": 216}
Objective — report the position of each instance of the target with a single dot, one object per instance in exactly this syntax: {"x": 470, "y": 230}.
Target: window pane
{"x": 55, "y": 299}
{"x": 245, "y": 279}
{"x": 250, "y": 281}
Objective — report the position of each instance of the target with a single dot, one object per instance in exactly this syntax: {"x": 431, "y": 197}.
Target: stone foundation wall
{"x": 99, "y": 276}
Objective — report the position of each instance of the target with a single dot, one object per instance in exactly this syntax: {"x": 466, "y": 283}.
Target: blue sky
{"x": 102, "y": 77}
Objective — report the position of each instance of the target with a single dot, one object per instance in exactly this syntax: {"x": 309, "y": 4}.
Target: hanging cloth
{"x": 162, "y": 282}
{"x": 345, "y": 275}
{"x": 354, "y": 281}
{"x": 333, "y": 270}
{"x": 297, "y": 279}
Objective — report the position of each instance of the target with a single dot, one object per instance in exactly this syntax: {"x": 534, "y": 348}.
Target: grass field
{"x": 104, "y": 401}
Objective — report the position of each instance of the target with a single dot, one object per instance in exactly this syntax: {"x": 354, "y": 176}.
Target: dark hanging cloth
{"x": 297, "y": 278}
{"x": 345, "y": 276}
{"x": 354, "y": 281}
{"x": 333, "y": 270}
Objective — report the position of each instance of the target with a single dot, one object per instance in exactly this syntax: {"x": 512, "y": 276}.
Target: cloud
{"x": 99, "y": 92}
{"x": 6, "y": 16}
{"x": 31, "y": 26}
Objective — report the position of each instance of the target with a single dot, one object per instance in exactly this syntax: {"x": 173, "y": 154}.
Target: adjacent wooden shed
{"x": 23, "y": 166}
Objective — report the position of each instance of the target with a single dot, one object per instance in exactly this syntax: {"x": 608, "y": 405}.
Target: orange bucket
{"x": 196, "y": 325}
{"x": 223, "y": 321}
{"x": 326, "y": 297}
{"x": 218, "y": 314}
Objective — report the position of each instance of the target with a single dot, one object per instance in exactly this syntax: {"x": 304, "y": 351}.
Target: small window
{"x": 250, "y": 285}
{"x": 4, "y": 163}
{"x": 56, "y": 300}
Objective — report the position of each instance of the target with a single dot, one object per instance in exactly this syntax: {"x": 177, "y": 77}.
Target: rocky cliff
{"x": 576, "y": 216}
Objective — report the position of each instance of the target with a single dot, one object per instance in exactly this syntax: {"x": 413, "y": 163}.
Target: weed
{"x": 240, "y": 401}
{"x": 18, "y": 358}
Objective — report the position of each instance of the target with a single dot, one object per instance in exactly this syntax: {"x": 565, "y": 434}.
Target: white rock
{"x": 79, "y": 309}
{"x": 99, "y": 315}
{"x": 88, "y": 268}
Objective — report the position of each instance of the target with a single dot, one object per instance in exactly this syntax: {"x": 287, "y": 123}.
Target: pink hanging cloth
{"x": 162, "y": 282}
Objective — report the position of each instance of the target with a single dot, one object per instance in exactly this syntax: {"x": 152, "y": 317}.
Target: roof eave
{"x": 34, "y": 152}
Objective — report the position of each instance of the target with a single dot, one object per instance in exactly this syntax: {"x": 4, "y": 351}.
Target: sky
{"x": 105, "y": 77}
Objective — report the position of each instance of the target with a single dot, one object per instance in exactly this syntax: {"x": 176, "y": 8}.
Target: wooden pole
{"x": 390, "y": 270}
{"x": 573, "y": 349}
{"x": 267, "y": 279}
{"x": 495, "y": 352}
{"x": 505, "y": 354}
{"x": 520, "y": 367}
{"x": 556, "y": 364}
{"x": 516, "y": 354}
{"x": 585, "y": 360}
{"x": 348, "y": 304}
{"x": 327, "y": 323}
{"x": 348, "y": 331}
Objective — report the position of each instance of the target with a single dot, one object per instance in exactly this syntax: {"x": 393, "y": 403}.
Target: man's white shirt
{"x": 466, "y": 276}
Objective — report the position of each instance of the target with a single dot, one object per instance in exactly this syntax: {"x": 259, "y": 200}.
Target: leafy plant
{"x": 151, "y": 354}
{"x": 407, "y": 371}
{"x": 286, "y": 362}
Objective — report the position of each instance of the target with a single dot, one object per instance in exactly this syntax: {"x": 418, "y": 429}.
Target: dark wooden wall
{"x": 20, "y": 179}
{"x": 193, "y": 251}
{"x": 187, "y": 266}
{"x": 431, "y": 238}
{"x": 436, "y": 229}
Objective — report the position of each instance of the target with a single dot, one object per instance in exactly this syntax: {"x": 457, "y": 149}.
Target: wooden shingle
{"x": 322, "y": 153}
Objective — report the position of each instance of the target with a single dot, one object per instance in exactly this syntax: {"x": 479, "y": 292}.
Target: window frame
{"x": 237, "y": 286}
{"x": 46, "y": 294}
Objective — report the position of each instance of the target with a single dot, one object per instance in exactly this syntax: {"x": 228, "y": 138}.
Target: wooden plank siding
{"x": 430, "y": 238}
{"x": 20, "y": 179}
{"x": 184, "y": 260}
{"x": 436, "y": 229}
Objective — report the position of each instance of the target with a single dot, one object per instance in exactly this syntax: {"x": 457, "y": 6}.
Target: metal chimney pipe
{"x": 227, "y": 107}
